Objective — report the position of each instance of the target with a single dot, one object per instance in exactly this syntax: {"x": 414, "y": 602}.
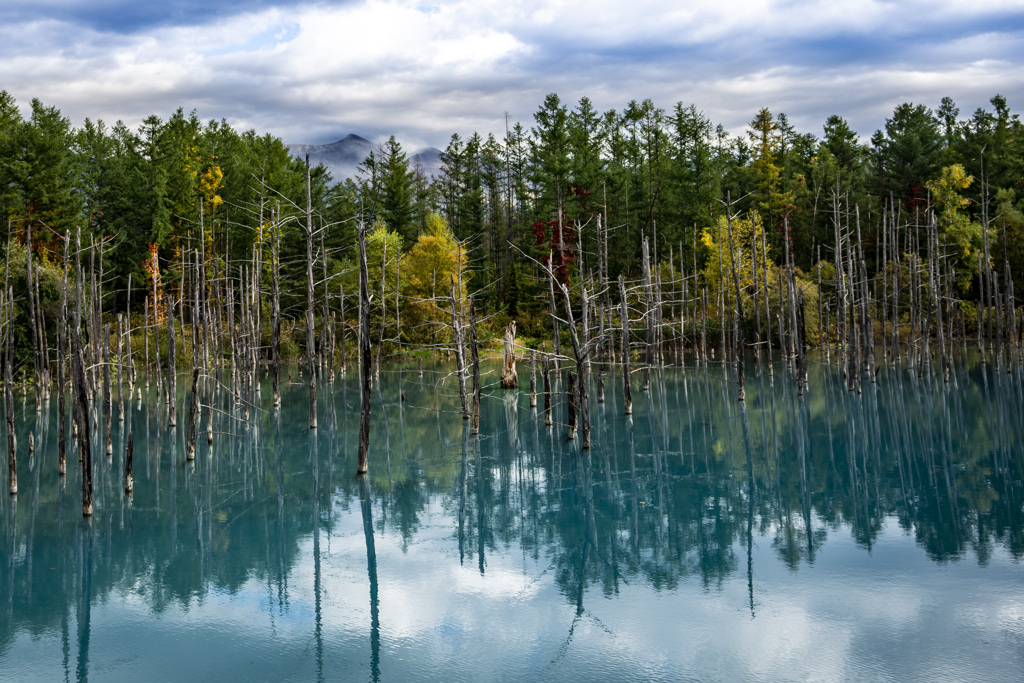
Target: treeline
{"x": 579, "y": 190}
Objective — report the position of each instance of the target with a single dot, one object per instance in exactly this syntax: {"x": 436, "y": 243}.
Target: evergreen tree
{"x": 397, "y": 191}
{"x": 907, "y": 154}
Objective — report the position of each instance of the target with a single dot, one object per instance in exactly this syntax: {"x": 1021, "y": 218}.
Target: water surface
{"x": 830, "y": 536}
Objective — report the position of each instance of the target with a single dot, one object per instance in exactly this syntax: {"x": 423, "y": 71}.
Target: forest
{"x": 925, "y": 220}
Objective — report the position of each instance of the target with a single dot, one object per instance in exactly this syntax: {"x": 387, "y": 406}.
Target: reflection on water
{"x": 825, "y": 535}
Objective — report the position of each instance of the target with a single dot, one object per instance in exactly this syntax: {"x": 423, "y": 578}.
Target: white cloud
{"x": 315, "y": 72}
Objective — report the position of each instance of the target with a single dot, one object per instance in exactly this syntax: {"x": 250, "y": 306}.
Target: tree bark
{"x": 129, "y": 483}
{"x": 475, "y": 427}
{"x": 509, "y": 377}
{"x": 193, "y": 416}
{"x": 364, "y": 352}
{"x": 460, "y": 360}
{"x": 624, "y": 317}
{"x": 310, "y": 334}
{"x": 172, "y": 383}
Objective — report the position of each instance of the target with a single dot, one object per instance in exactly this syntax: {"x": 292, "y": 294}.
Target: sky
{"x": 422, "y": 70}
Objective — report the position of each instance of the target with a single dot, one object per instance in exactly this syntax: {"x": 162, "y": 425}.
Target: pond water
{"x": 830, "y": 536}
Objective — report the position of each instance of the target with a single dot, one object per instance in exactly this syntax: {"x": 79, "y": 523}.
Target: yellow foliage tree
{"x": 209, "y": 183}
{"x": 715, "y": 241}
{"x": 960, "y": 232}
{"x": 428, "y": 268}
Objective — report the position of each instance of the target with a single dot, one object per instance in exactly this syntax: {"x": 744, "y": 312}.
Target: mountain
{"x": 343, "y": 157}
{"x": 429, "y": 161}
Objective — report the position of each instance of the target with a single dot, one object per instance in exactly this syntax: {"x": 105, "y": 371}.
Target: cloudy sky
{"x": 313, "y": 72}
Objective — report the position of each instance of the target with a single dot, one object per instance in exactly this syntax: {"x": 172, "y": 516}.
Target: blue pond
{"x": 827, "y": 536}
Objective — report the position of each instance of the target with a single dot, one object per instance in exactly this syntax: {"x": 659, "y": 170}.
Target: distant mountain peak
{"x": 350, "y": 138}
{"x": 342, "y": 158}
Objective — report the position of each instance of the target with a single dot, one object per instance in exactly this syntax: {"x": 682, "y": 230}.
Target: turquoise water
{"x": 830, "y": 536}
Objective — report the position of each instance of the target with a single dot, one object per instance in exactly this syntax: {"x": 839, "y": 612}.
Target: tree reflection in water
{"x": 667, "y": 496}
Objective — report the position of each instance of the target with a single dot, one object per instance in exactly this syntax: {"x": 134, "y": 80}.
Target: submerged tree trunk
{"x": 533, "y": 379}
{"x": 107, "y": 398}
{"x": 310, "y": 334}
{"x": 62, "y": 330}
{"x": 624, "y": 317}
{"x": 460, "y": 360}
{"x": 275, "y": 313}
{"x": 475, "y": 427}
{"x": 81, "y": 411}
{"x": 579, "y": 399}
{"x": 364, "y": 352}
{"x": 509, "y": 377}
{"x": 547, "y": 388}
{"x": 12, "y": 448}
{"x": 570, "y": 395}
{"x": 172, "y": 382}
{"x": 193, "y": 416}
{"x": 129, "y": 482}
{"x": 738, "y": 350}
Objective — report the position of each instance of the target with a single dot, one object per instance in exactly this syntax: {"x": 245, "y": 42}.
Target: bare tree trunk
{"x": 579, "y": 399}
{"x": 571, "y": 396}
{"x": 172, "y": 382}
{"x": 275, "y": 312}
{"x": 33, "y": 328}
{"x": 62, "y": 338}
{"x": 509, "y": 376}
{"x": 533, "y": 379}
{"x": 193, "y": 416}
{"x": 12, "y": 447}
{"x": 129, "y": 482}
{"x": 757, "y": 307}
{"x": 120, "y": 367}
{"x": 364, "y": 352}
{"x": 145, "y": 334}
{"x": 474, "y": 350}
{"x": 310, "y": 334}
{"x": 156, "y": 325}
{"x": 649, "y": 316}
{"x": 344, "y": 350}
{"x": 108, "y": 406}
{"x": 554, "y": 320}
{"x": 624, "y": 318}
{"x": 547, "y": 388}
{"x": 460, "y": 361}
{"x": 81, "y": 399}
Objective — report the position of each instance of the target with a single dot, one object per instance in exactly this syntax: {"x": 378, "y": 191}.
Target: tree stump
{"x": 509, "y": 377}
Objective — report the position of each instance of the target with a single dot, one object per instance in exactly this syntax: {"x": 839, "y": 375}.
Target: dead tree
{"x": 33, "y": 329}
{"x": 509, "y": 377}
{"x": 533, "y": 379}
{"x": 460, "y": 360}
{"x": 571, "y": 398}
{"x": 624, "y": 317}
{"x": 648, "y": 316}
{"x": 81, "y": 411}
{"x": 364, "y": 352}
{"x": 310, "y": 334}
{"x": 193, "y": 416}
{"x": 108, "y": 406}
{"x": 547, "y": 387}
{"x": 578, "y": 396}
{"x": 129, "y": 483}
{"x": 275, "y": 313}
{"x": 475, "y": 426}
{"x": 62, "y": 329}
{"x": 172, "y": 383}
{"x": 739, "y": 332}
{"x": 12, "y": 447}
